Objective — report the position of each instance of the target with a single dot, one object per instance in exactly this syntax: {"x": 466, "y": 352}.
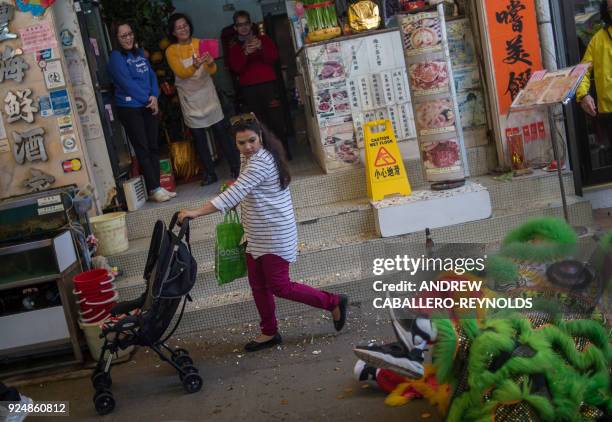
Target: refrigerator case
{"x": 352, "y": 81}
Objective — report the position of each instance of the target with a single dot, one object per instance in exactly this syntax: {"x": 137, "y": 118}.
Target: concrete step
{"x": 317, "y": 225}
{"x": 352, "y": 219}
{"x": 312, "y": 189}
{"x": 333, "y": 266}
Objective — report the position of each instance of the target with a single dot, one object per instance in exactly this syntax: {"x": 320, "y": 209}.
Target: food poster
{"x": 340, "y": 145}
{"x": 441, "y": 158}
{"x": 332, "y": 102}
{"x": 428, "y": 77}
{"x": 326, "y": 62}
{"x": 466, "y": 78}
{"x": 460, "y": 43}
{"x": 421, "y": 33}
{"x": 435, "y": 103}
{"x": 471, "y": 108}
{"x": 435, "y": 117}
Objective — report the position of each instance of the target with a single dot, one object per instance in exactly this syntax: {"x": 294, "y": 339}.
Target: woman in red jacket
{"x": 252, "y": 58}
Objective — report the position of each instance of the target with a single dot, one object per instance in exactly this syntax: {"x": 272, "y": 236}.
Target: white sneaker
{"x": 160, "y": 196}
{"x": 19, "y": 417}
{"x": 167, "y": 192}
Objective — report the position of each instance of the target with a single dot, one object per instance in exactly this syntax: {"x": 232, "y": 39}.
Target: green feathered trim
{"x": 444, "y": 350}
{"x": 606, "y": 242}
{"x": 556, "y": 239}
{"x": 501, "y": 270}
{"x": 573, "y": 377}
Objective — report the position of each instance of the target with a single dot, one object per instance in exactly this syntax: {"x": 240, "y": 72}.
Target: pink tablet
{"x": 210, "y": 46}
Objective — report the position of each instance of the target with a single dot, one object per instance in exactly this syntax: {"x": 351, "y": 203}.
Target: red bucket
{"x": 90, "y": 278}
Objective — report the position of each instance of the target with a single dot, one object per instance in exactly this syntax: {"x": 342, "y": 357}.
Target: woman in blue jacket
{"x": 136, "y": 92}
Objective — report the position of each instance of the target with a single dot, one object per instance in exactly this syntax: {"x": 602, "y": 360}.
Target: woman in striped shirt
{"x": 270, "y": 229}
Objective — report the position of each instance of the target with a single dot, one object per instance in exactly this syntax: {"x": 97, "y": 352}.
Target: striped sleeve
{"x": 252, "y": 174}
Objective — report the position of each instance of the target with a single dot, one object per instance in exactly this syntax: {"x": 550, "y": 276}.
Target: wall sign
{"x": 72, "y": 165}
{"x": 39, "y": 181}
{"x": 6, "y": 14}
{"x": 515, "y": 46}
{"x": 60, "y": 102}
{"x": 54, "y": 75}
{"x": 37, "y": 37}
{"x": 67, "y": 37}
{"x": 12, "y": 65}
{"x": 29, "y": 145}
{"x": 19, "y": 106}
{"x": 44, "y": 106}
{"x": 69, "y": 143}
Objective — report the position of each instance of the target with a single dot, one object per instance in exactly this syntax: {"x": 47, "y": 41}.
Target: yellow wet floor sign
{"x": 385, "y": 172}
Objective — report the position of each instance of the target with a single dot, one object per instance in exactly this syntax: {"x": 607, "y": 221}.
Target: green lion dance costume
{"x": 550, "y": 363}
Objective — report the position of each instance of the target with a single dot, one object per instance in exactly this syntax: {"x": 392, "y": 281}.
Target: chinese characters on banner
{"x": 515, "y": 45}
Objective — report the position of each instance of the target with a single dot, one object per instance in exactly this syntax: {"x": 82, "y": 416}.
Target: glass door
{"x": 582, "y": 20}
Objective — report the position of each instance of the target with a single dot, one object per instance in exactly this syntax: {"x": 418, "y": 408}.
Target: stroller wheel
{"x": 187, "y": 369}
{"x": 104, "y": 402}
{"x": 192, "y": 382}
{"x": 178, "y": 353}
{"x": 101, "y": 380}
{"x": 183, "y": 360}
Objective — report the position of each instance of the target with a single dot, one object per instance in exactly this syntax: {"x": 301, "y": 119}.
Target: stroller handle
{"x": 184, "y": 231}
{"x": 174, "y": 221}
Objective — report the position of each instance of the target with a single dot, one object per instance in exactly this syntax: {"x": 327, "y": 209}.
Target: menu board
{"x": 436, "y": 109}
{"x": 355, "y": 81}
{"x": 546, "y": 87}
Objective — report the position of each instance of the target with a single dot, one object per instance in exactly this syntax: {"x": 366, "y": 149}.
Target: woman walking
{"x": 270, "y": 229}
{"x": 199, "y": 101}
{"x": 136, "y": 92}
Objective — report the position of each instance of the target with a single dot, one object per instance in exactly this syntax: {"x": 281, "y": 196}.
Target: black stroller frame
{"x": 169, "y": 273}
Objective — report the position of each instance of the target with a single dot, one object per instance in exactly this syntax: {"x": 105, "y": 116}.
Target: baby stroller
{"x": 170, "y": 273}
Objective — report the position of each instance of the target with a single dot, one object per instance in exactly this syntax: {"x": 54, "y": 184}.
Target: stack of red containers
{"x": 96, "y": 295}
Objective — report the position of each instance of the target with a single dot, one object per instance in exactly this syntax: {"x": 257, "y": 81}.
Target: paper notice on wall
{"x": 65, "y": 123}
{"x": 60, "y": 102}
{"x": 37, "y": 37}
{"x": 4, "y": 145}
{"x": 54, "y": 75}
{"x": 44, "y": 106}
{"x": 75, "y": 65}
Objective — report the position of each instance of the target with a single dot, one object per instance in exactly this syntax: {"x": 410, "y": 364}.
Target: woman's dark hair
{"x": 272, "y": 144}
{"x": 241, "y": 14}
{"x": 115, "y": 38}
{"x": 172, "y": 21}
{"x": 605, "y": 15}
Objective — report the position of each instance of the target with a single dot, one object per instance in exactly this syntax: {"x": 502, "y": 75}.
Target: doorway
{"x": 580, "y": 21}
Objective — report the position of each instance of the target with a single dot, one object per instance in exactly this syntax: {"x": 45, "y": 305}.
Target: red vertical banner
{"x": 515, "y": 46}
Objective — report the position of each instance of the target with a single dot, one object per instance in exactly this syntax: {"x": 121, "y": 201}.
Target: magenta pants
{"x": 269, "y": 277}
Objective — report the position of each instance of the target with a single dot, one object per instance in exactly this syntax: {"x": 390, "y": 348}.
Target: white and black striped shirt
{"x": 267, "y": 211}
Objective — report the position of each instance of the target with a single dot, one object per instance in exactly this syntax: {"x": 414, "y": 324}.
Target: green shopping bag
{"x": 230, "y": 255}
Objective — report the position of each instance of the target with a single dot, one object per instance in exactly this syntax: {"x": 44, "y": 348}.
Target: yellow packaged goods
{"x": 363, "y": 15}
{"x": 323, "y": 34}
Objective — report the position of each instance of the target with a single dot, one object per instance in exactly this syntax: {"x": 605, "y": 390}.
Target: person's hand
{"x": 152, "y": 104}
{"x": 255, "y": 43}
{"x": 588, "y": 105}
{"x": 187, "y": 214}
{"x": 197, "y": 61}
{"x": 207, "y": 58}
